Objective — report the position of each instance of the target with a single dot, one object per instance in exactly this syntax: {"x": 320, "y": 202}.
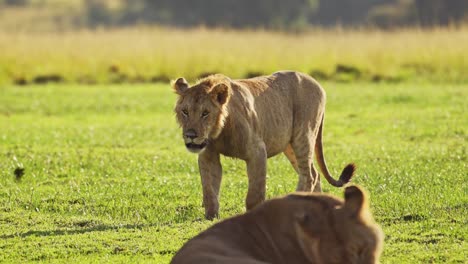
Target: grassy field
{"x": 158, "y": 54}
{"x": 99, "y": 173}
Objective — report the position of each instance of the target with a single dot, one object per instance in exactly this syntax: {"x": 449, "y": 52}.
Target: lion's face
{"x": 201, "y": 112}
{"x": 345, "y": 234}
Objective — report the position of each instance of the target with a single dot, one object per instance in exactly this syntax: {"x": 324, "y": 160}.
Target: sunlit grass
{"x": 145, "y": 53}
{"x": 107, "y": 178}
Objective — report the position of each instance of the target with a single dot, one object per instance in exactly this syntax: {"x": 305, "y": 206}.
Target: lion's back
{"x": 280, "y": 101}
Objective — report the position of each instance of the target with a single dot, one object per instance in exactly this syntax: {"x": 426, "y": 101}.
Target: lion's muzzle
{"x": 195, "y": 148}
{"x": 193, "y": 142}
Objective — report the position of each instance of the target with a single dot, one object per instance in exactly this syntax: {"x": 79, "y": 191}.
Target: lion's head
{"x": 201, "y": 110}
{"x": 344, "y": 234}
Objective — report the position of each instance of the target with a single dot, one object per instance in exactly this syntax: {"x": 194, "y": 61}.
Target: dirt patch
{"x": 20, "y": 81}
{"x": 19, "y": 173}
{"x": 319, "y": 75}
{"x": 341, "y": 68}
{"x": 160, "y": 78}
{"x": 48, "y": 78}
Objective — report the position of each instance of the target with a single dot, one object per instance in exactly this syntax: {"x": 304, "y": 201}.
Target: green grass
{"x": 107, "y": 178}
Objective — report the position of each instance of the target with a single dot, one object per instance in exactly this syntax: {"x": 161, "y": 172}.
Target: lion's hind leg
{"x": 305, "y": 180}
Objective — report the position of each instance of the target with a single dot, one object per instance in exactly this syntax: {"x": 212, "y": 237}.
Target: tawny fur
{"x": 298, "y": 228}
{"x": 254, "y": 119}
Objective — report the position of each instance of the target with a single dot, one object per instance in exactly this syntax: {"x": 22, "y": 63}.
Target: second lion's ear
{"x": 220, "y": 93}
{"x": 180, "y": 86}
{"x": 355, "y": 201}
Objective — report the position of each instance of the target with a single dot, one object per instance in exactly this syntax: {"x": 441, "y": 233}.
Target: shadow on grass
{"x": 405, "y": 218}
{"x": 82, "y": 227}
{"x": 61, "y": 232}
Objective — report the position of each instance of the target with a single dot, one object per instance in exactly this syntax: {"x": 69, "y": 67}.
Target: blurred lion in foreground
{"x": 254, "y": 119}
{"x": 298, "y": 228}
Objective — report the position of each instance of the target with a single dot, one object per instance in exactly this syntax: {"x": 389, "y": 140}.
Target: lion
{"x": 298, "y": 228}
{"x": 254, "y": 119}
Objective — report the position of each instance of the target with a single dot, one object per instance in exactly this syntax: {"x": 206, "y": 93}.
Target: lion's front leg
{"x": 211, "y": 173}
{"x": 256, "y": 170}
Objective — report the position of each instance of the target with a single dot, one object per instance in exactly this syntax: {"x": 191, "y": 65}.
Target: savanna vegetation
{"x": 153, "y": 55}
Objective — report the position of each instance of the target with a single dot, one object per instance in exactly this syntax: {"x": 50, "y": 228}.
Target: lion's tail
{"x": 347, "y": 172}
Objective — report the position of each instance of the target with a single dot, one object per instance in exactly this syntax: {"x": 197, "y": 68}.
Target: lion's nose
{"x": 191, "y": 134}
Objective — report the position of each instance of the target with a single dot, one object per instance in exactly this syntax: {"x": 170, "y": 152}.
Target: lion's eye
{"x": 205, "y": 113}
{"x": 185, "y": 112}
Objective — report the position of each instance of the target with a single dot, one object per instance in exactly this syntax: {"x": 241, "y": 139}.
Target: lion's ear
{"x": 180, "y": 86}
{"x": 355, "y": 200}
{"x": 220, "y": 93}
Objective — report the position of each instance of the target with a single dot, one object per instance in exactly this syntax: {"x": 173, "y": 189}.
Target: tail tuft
{"x": 348, "y": 173}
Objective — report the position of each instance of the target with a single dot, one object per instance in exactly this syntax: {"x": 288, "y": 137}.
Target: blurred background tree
{"x": 270, "y": 14}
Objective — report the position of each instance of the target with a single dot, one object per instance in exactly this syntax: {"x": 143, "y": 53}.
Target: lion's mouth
{"x": 193, "y": 147}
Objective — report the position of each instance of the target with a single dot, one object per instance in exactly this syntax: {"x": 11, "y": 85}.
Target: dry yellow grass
{"x": 437, "y": 54}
